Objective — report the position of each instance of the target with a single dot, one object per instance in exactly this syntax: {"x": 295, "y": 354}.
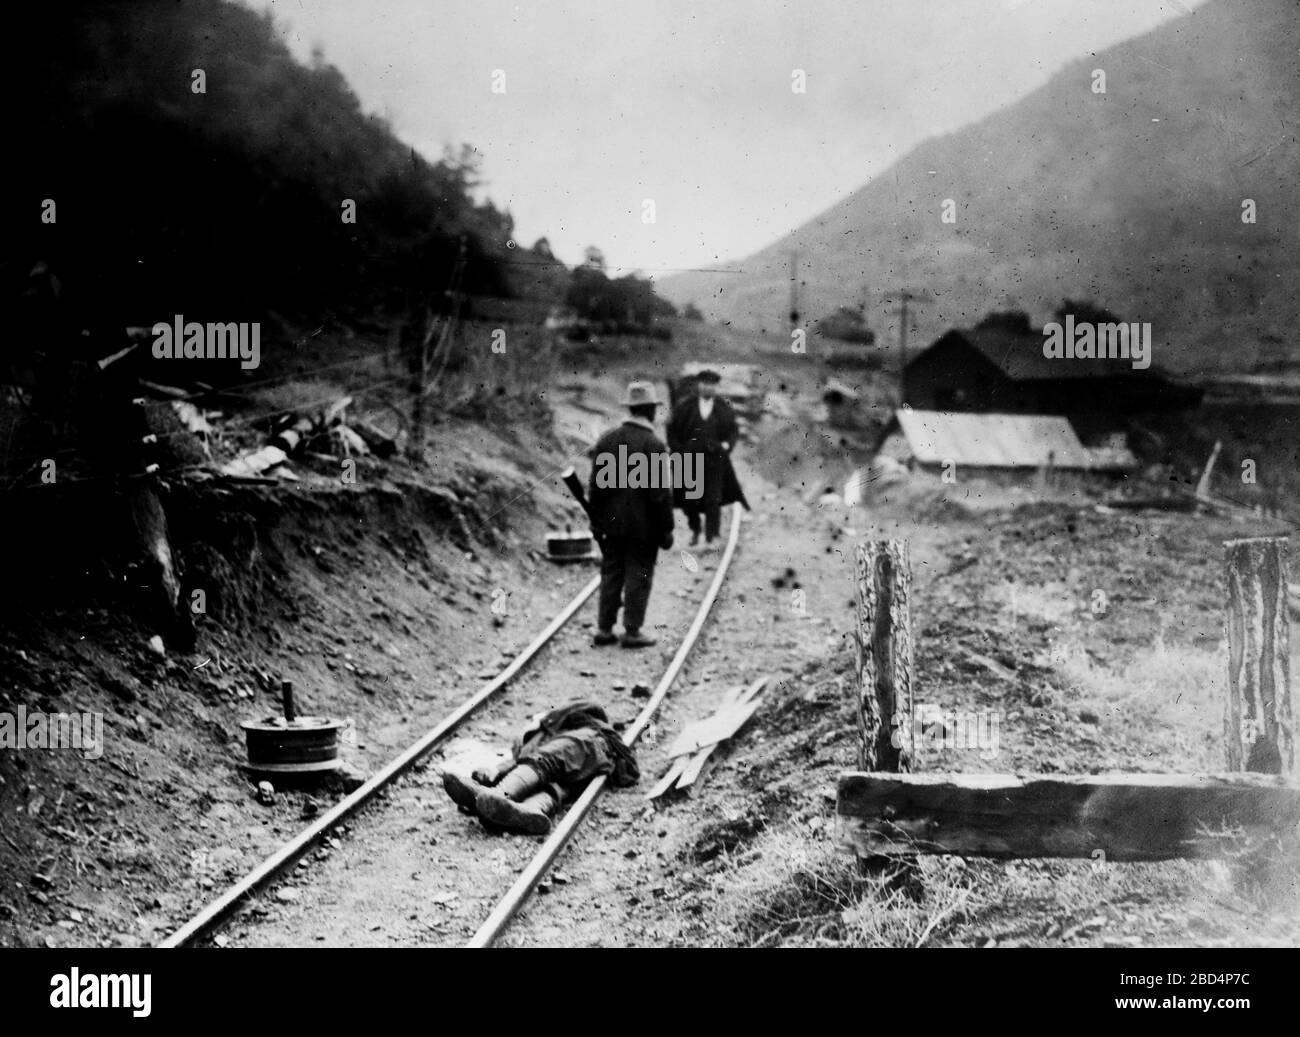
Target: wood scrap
{"x": 291, "y": 435}
{"x": 333, "y": 414}
{"x": 669, "y": 779}
{"x": 255, "y": 463}
{"x": 995, "y": 668}
{"x": 170, "y": 391}
{"x": 380, "y": 444}
{"x": 353, "y": 444}
{"x": 692, "y": 750}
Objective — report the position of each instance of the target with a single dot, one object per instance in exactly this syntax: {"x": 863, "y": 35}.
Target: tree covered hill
{"x": 224, "y": 202}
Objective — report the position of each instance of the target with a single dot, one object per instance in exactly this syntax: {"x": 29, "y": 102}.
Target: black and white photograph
{"x": 560, "y": 474}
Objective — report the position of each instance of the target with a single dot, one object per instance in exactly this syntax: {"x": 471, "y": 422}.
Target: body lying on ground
{"x": 551, "y": 761}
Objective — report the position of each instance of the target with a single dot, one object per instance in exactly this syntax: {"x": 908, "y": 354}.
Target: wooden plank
{"x": 670, "y": 779}
{"x": 717, "y": 728}
{"x": 1128, "y": 817}
{"x": 731, "y": 695}
{"x": 884, "y": 655}
{"x": 754, "y": 690}
{"x": 692, "y": 770}
{"x": 1258, "y": 722}
{"x": 738, "y": 705}
{"x": 255, "y": 463}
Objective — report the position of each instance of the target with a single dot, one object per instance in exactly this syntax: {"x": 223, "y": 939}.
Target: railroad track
{"x": 212, "y": 917}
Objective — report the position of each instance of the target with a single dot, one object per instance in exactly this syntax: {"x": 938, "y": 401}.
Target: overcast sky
{"x": 611, "y": 102}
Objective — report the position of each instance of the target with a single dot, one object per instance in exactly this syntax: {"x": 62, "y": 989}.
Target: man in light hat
{"x": 631, "y": 522}
{"x": 705, "y": 423}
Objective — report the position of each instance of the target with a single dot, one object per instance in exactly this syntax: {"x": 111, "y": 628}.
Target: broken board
{"x": 692, "y": 749}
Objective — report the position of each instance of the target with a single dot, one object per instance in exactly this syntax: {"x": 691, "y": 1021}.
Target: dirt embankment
{"x": 1085, "y": 642}
{"x": 343, "y": 589}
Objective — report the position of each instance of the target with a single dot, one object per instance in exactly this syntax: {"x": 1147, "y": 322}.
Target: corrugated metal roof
{"x": 992, "y": 440}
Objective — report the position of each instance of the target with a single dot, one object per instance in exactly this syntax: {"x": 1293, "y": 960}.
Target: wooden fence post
{"x": 1258, "y": 723}
{"x": 884, "y": 671}
{"x": 414, "y": 345}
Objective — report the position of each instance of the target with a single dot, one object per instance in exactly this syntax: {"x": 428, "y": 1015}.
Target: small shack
{"x": 998, "y": 367}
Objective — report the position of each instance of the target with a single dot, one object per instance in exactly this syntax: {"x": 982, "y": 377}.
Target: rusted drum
{"x": 298, "y": 746}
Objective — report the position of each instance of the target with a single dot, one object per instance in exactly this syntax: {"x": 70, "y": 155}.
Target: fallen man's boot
{"x": 519, "y": 802}
{"x": 463, "y": 789}
{"x": 531, "y": 816}
{"x": 636, "y": 639}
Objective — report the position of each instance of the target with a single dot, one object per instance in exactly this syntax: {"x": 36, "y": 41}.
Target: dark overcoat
{"x": 689, "y": 432}
{"x": 642, "y": 514}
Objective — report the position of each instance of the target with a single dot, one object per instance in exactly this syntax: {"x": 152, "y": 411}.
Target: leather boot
{"x": 463, "y": 788}
{"x": 531, "y": 815}
{"x": 519, "y": 802}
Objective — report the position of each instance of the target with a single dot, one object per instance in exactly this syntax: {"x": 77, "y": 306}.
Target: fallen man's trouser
{"x": 527, "y": 795}
{"x": 555, "y": 757}
{"x": 570, "y": 759}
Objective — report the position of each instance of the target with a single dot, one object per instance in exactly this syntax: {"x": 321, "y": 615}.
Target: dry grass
{"x": 792, "y": 890}
{"x": 1161, "y": 692}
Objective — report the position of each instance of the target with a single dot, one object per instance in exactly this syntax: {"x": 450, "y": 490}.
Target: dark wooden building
{"x": 998, "y": 367}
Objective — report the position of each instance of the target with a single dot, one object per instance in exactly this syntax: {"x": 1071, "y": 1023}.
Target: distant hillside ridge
{"x": 1133, "y": 198}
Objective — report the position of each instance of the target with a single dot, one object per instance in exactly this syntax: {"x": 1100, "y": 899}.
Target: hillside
{"x": 1132, "y": 197}
{"x": 197, "y": 167}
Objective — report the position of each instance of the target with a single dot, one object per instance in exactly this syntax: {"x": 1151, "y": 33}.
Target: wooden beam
{"x": 1127, "y": 817}
{"x": 884, "y": 656}
{"x": 1258, "y": 723}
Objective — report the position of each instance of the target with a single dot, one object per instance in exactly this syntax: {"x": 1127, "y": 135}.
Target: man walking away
{"x": 706, "y": 424}
{"x": 631, "y": 524}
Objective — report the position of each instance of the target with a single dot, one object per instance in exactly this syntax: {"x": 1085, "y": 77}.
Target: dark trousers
{"x": 627, "y": 569}
{"x": 712, "y": 521}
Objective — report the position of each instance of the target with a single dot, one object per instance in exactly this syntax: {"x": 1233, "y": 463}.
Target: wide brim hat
{"x": 708, "y": 375}
{"x": 639, "y": 393}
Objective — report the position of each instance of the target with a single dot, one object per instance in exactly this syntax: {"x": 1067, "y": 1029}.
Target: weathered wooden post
{"x": 884, "y": 671}
{"x": 415, "y": 346}
{"x": 1258, "y": 722}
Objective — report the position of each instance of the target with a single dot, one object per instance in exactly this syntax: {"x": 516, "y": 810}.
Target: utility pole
{"x": 906, "y": 296}
{"x": 902, "y": 330}
{"x": 794, "y": 289}
{"x": 421, "y": 349}
{"x": 417, "y": 361}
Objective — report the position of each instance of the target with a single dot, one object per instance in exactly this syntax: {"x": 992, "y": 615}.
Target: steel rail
{"x": 292, "y": 851}
{"x": 559, "y": 837}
